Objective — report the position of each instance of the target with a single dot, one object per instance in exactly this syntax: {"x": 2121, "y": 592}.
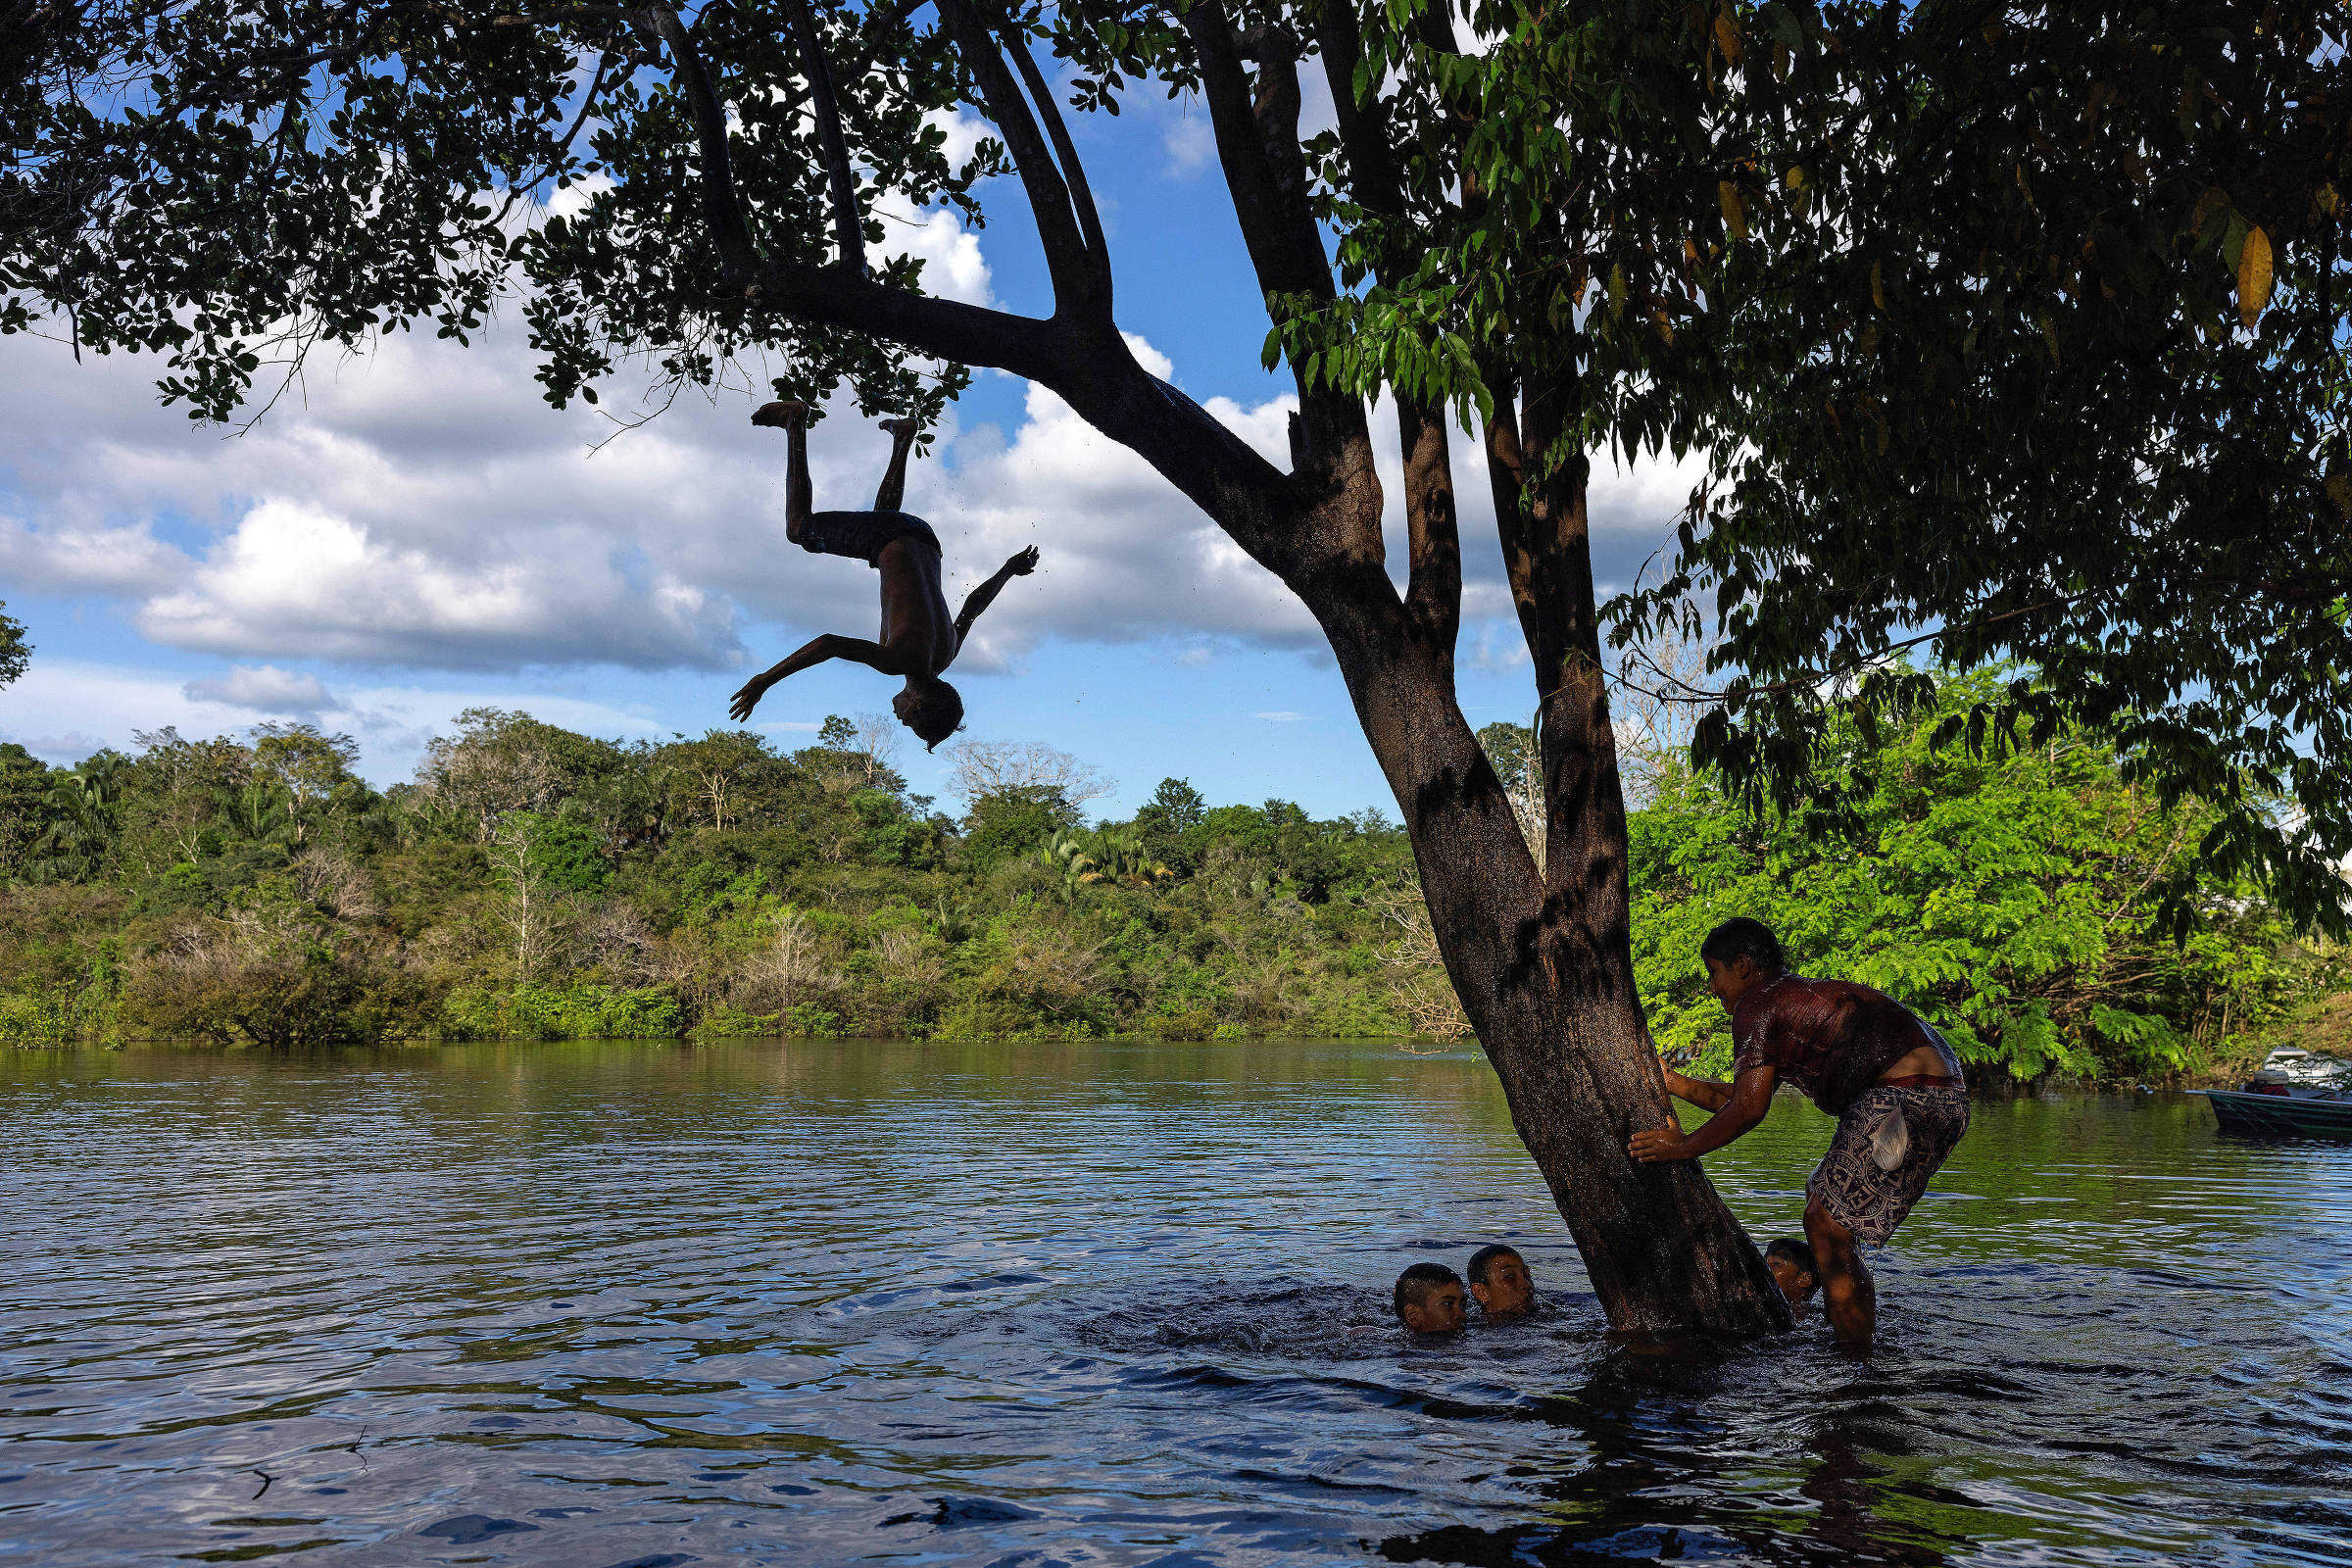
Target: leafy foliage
{"x": 2016, "y": 330}
{"x": 257, "y": 892}
{"x": 2010, "y": 898}
{"x": 2009, "y": 328}
{"x": 2012, "y": 901}
{"x": 15, "y": 652}
{"x": 2105, "y": 242}
{"x": 320, "y": 173}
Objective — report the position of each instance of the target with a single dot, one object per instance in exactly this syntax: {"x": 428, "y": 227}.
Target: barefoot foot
{"x": 782, "y": 415}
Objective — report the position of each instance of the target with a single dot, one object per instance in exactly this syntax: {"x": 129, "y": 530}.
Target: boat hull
{"x": 2280, "y": 1115}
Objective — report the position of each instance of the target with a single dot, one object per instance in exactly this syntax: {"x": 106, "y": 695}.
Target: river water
{"x": 602, "y": 1305}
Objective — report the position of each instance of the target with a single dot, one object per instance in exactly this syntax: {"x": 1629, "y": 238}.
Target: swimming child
{"x": 1428, "y": 1298}
{"x": 1793, "y": 1271}
{"x": 1498, "y": 1279}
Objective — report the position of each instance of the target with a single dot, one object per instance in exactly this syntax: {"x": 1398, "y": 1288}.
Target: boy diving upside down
{"x": 918, "y": 639}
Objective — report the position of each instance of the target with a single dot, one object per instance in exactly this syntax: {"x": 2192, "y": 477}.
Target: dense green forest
{"x": 535, "y": 883}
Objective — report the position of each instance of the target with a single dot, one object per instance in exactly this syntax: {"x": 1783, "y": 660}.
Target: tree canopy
{"x": 2012, "y": 331}
{"x": 2013, "y": 901}
{"x": 2052, "y": 296}
{"x": 2009, "y": 328}
{"x": 207, "y": 888}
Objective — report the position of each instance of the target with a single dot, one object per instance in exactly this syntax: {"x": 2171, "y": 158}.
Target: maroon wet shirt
{"x": 1830, "y": 1037}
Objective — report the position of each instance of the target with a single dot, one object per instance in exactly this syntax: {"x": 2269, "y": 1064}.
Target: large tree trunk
{"x": 1547, "y": 979}
{"x": 1540, "y": 955}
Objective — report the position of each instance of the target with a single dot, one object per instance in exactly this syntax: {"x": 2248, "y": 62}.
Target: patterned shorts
{"x": 1848, "y": 1182}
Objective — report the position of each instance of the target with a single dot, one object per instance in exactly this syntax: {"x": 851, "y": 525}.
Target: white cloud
{"x": 292, "y": 577}
{"x": 1284, "y": 716}
{"x": 1188, "y": 137}
{"x": 69, "y": 557}
{"x": 71, "y": 746}
{"x": 421, "y": 508}
{"x": 63, "y": 709}
{"x": 1125, "y": 557}
{"x": 964, "y": 130}
{"x": 573, "y": 199}
{"x": 1317, "y": 113}
{"x": 266, "y": 689}
{"x": 953, "y": 266}
{"x": 1499, "y": 646}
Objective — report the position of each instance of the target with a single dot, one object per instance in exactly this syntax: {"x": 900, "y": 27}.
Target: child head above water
{"x": 1500, "y": 1280}
{"x": 1428, "y": 1298}
{"x": 1792, "y": 1270}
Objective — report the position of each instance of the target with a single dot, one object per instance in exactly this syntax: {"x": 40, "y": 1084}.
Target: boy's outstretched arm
{"x": 1750, "y": 1099}
{"x": 1021, "y": 565}
{"x": 857, "y": 649}
{"x": 1704, "y": 1093}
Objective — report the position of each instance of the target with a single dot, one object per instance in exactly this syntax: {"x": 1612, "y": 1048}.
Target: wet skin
{"x": 1441, "y": 1311}
{"x": 1740, "y": 1104}
{"x": 1506, "y": 1291}
{"x": 1848, "y": 1294}
{"x": 1795, "y": 1283}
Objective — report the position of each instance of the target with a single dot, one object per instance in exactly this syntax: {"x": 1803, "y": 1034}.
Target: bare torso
{"x": 917, "y": 623}
{"x": 1923, "y": 1061}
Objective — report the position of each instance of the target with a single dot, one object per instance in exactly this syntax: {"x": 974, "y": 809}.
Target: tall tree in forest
{"x": 1626, "y": 226}
{"x": 310, "y": 766}
{"x": 15, "y": 652}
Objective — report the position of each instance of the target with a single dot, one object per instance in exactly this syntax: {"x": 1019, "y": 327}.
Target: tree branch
{"x": 1274, "y": 112}
{"x": 722, "y": 207}
{"x": 1049, "y": 198}
{"x": 1507, "y": 463}
{"x": 1266, "y": 173}
{"x": 848, "y": 223}
{"x": 1090, "y": 226}
{"x": 1376, "y": 183}
{"x": 1531, "y": 519}
{"x": 946, "y": 329}
{"x": 244, "y": 74}
{"x": 877, "y": 25}
{"x": 596, "y": 88}
{"x": 1701, "y": 697}
{"x": 1285, "y": 248}
{"x": 1433, "y": 591}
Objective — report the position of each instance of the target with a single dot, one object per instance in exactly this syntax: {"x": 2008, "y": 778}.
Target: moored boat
{"x": 2296, "y": 1094}
{"x": 2277, "y": 1115}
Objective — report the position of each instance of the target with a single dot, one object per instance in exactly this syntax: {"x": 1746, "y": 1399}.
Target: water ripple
{"x": 618, "y": 1305}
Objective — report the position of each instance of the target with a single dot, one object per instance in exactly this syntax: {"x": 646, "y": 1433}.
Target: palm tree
{"x": 1110, "y": 855}
{"x": 81, "y": 821}
{"x": 260, "y": 810}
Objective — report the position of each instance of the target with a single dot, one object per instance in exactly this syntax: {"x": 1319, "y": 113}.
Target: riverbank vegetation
{"x": 531, "y": 882}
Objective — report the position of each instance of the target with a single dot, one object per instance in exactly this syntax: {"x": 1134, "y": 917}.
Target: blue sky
{"x": 413, "y": 532}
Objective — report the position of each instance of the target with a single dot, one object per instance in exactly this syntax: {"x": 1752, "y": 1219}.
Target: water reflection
{"x": 619, "y": 1303}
